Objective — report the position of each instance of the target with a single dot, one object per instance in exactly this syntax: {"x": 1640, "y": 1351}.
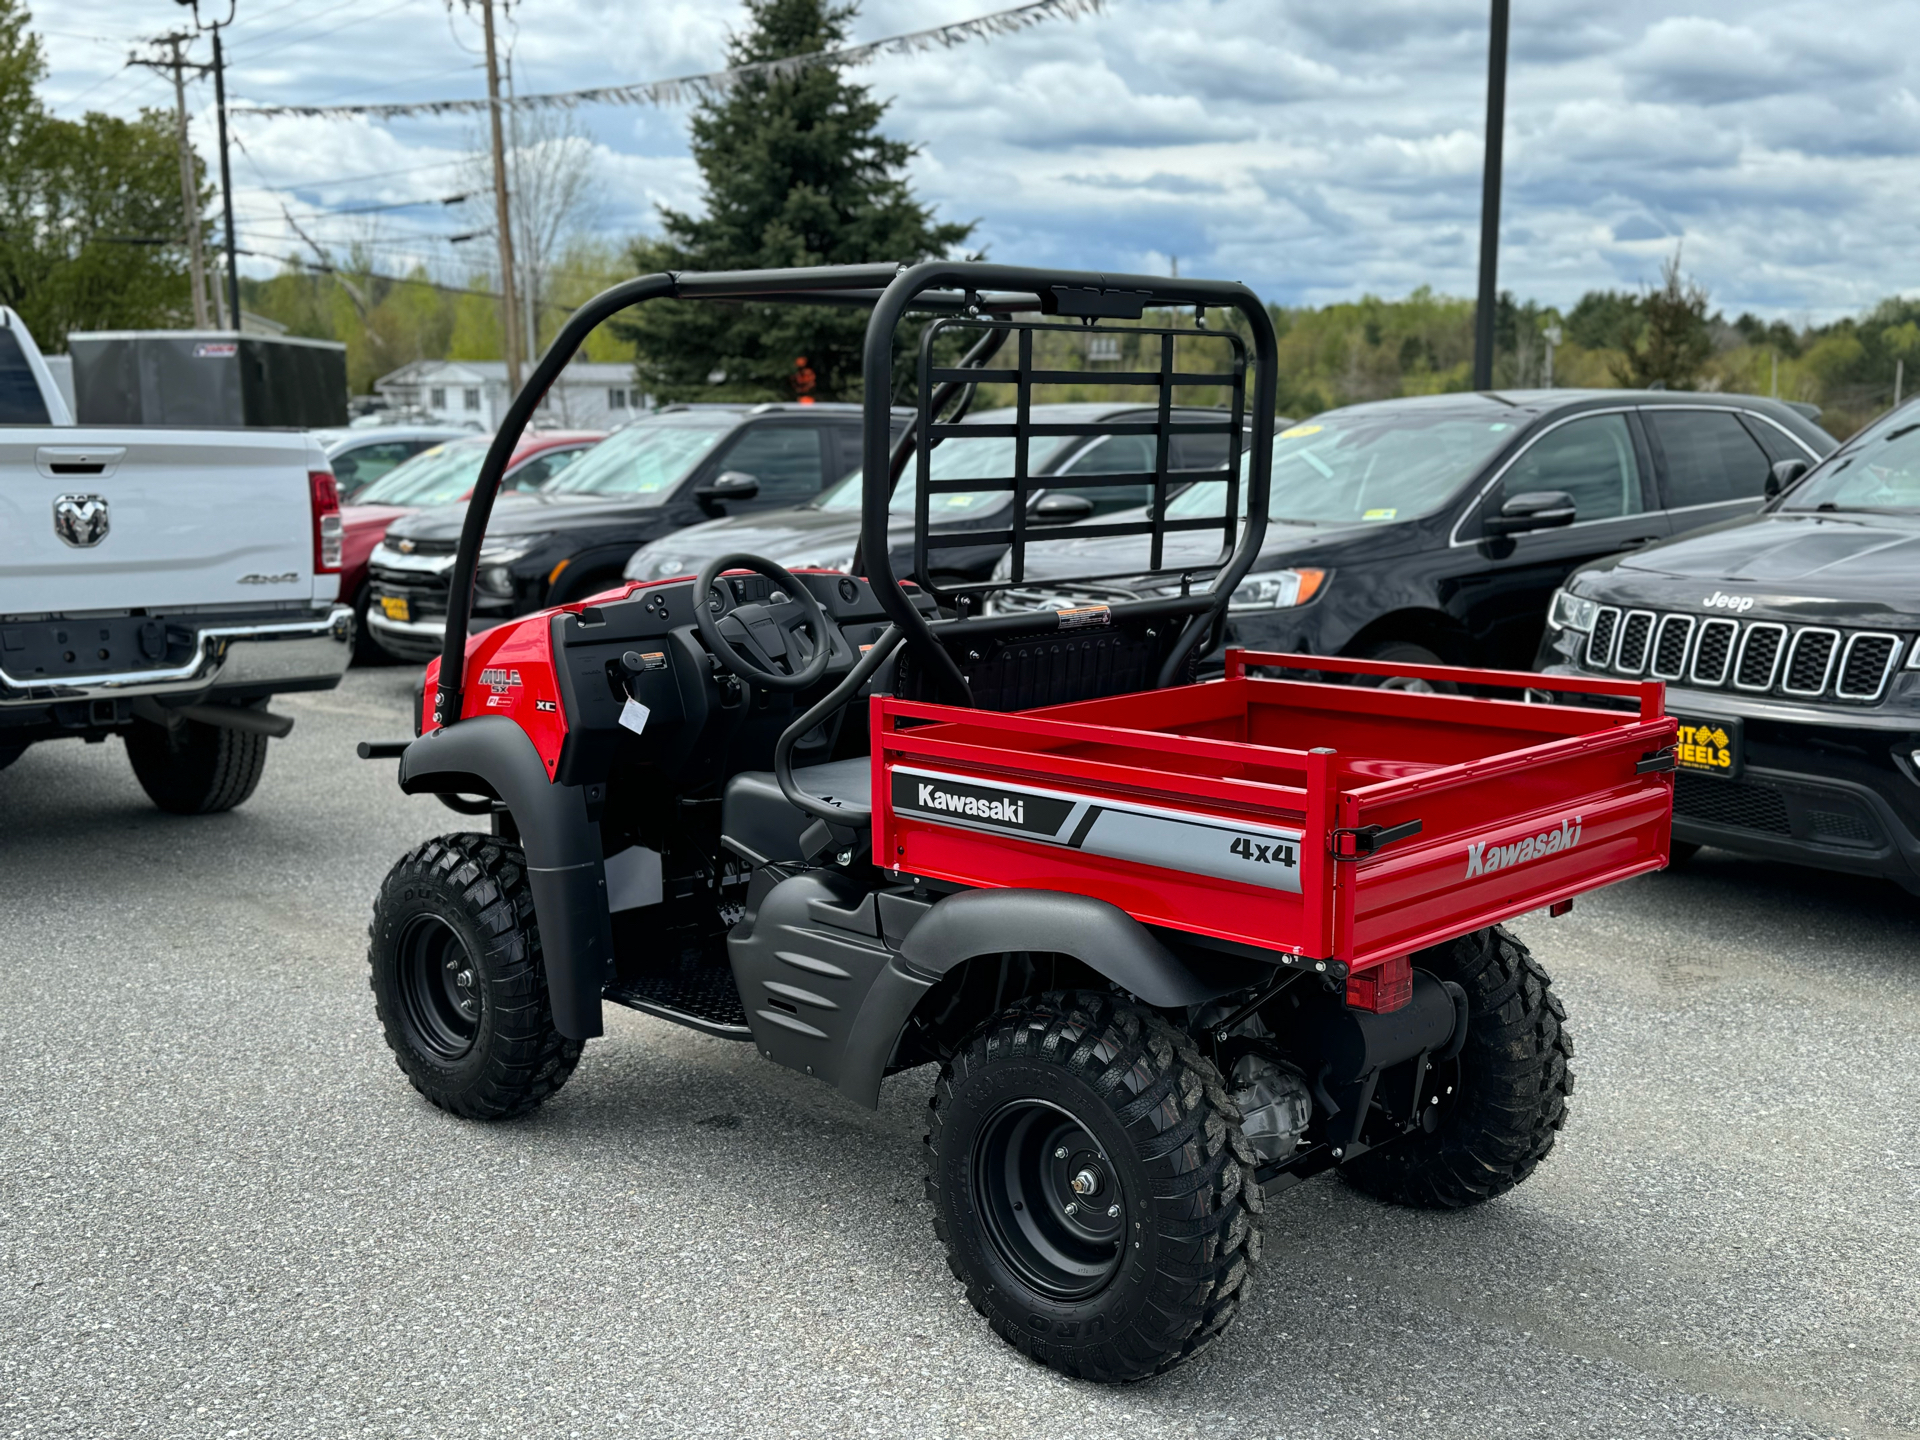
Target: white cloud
{"x": 1314, "y": 150}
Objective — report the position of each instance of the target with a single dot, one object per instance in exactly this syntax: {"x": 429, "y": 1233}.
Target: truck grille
{"x": 1762, "y": 656}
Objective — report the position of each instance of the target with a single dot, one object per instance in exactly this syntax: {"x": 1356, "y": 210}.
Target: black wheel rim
{"x": 1051, "y": 1201}
{"x": 439, "y": 988}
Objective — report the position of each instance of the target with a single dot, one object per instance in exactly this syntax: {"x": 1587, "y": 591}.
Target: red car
{"x": 438, "y": 476}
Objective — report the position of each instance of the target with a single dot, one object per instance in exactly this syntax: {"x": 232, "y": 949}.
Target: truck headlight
{"x": 1277, "y": 590}
{"x": 496, "y": 580}
{"x": 1571, "y": 612}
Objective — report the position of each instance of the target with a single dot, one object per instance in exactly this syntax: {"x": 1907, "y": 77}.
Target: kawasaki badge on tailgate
{"x": 1119, "y": 830}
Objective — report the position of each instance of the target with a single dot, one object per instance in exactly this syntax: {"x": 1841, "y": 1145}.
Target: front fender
{"x": 560, "y": 840}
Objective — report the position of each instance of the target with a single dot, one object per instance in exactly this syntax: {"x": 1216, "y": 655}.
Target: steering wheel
{"x": 773, "y": 634}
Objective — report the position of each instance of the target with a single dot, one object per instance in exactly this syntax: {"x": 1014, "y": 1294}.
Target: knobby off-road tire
{"x": 1512, "y": 1089}
{"x": 458, "y": 982}
{"x": 194, "y": 769}
{"x": 1135, "y": 1106}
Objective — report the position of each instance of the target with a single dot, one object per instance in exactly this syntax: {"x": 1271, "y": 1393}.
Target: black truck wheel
{"x": 195, "y": 769}
{"x": 1092, "y": 1186}
{"x": 1511, "y": 1081}
{"x": 458, "y": 981}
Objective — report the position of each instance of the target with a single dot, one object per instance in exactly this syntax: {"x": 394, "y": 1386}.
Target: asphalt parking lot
{"x": 223, "y": 1211}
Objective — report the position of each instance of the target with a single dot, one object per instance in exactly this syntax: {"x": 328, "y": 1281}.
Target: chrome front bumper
{"x": 227, "y": 657}
{"x": 423, "y": 640}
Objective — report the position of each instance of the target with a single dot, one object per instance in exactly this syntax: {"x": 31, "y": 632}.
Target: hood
{"x": 1066, "y": 558}
{"x": 782, "y": 536}
{"x": 1843, "y": 568}
{"x": 535, "y": 513}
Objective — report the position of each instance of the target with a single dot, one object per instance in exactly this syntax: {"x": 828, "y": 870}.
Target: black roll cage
{"x": 972, "y": 289}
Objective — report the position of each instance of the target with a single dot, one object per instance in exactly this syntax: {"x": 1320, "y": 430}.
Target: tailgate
{"x": 174, "y": 517}
{"x": 1503, "y": 835}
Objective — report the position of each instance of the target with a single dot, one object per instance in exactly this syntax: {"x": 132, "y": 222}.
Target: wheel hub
{"x": 1053, "y": 1205}
{"x": 440, "y": 989}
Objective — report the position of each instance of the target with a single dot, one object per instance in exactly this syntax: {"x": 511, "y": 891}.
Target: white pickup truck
{"x": 160, "y": 585}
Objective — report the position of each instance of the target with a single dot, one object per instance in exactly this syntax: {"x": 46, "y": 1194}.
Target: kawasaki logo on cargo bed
{"x": 1483, "y": 857}
{"x": 1120, "y": 830}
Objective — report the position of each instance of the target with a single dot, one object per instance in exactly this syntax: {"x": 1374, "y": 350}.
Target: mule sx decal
{"x": 1119, "y": 830}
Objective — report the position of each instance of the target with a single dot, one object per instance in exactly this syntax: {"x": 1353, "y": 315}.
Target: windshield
{"x": 1880, "y": 469}
{"x": 646, "y": 459}
{"x": 986, "y": 457}
{"x": 1372, "y": 466}
{"x": 434, "y": 477}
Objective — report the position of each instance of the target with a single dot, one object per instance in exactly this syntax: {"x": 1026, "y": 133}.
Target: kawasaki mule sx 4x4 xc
{"x": 1174, "y": 944}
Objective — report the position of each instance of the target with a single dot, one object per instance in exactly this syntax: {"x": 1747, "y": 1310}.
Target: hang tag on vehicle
{"x": 634, "y": 715}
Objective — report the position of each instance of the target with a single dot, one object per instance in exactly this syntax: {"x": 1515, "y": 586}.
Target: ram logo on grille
{"x": 1482, "y": 857}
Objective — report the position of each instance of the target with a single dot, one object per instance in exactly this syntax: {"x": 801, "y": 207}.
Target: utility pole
{"x": 226, "y": 179}
{"x": 189, "y": 191}
{"x": 1491, "y": 195}
{"x": 510, "y": 306}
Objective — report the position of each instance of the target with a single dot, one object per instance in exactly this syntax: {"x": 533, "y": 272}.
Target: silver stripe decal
{"x": 1176, "y": 840}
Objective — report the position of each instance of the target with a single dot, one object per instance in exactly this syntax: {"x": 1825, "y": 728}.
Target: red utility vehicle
{"x": 442, "y": 475}
{"x": 1174, "y": 946}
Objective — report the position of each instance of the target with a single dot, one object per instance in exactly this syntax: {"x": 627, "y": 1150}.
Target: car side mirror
{"x": 1782, "y": 474}
{"x": 728, "y": 485}
{"x": 1061, "y": 508}
{"x": 1534, "y": 510}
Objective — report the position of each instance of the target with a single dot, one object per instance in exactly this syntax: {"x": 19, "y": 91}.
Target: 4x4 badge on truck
{"x": 80, "y": 520}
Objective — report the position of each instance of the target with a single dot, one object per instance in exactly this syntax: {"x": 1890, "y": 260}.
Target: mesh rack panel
{"x": 1176, "y": 353}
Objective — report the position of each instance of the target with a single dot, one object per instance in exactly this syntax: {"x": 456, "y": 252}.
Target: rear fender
{"x": 561, "y": 840}
{"x": 959, "y": 927}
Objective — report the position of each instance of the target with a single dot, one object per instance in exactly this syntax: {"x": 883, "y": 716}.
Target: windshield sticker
{"x": 1296, "y": 431}
{"x": 1387, "y": 512}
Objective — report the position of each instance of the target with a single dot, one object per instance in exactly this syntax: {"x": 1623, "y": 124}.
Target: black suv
{"x": 1787, "y": 641}
{"x": 673, "y": 468}
{"x": 1436, "y": 528}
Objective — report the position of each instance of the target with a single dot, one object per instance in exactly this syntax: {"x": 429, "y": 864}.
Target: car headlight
{"x": 510, "y": 548}
{"x": 1277, "y": 590}
{"x": 1572, "y": 612}
{"x": 495, "y": 580}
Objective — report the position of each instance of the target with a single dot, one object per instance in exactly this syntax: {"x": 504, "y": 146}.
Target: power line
{"x": 317, "y": 34}
{"x": 685, "y": 87}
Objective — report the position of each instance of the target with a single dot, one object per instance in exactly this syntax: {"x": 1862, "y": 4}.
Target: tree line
{"x": 797, "y": 171}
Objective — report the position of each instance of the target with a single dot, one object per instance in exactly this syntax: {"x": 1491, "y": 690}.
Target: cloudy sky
{"x": 1317, "y": 151}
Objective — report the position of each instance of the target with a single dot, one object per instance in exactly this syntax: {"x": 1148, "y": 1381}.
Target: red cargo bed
{"x": 1328, "y": 821}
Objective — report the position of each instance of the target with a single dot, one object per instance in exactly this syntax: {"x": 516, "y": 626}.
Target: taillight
{"x": 1386, "y": 987}
{"x": 326, "y": 521}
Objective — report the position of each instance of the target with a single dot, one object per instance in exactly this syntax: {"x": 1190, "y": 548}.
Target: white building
{"x": 590, "y": 395}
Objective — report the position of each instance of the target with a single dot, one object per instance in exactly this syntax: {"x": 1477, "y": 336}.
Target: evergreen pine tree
{"x": 1674, "y": 342}
{"x": 796, "y": 172}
